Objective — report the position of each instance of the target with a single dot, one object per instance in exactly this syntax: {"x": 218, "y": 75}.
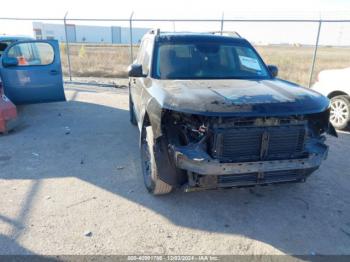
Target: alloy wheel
{"x": 339, "y": 112}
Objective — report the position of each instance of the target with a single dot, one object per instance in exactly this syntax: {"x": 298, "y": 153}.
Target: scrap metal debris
{"x": 88, "y": 233}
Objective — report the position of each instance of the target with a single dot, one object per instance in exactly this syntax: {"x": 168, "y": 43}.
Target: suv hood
{"x": 237, "y": 97}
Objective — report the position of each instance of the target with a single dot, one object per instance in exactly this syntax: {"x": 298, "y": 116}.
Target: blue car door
{"x": 31, "y": 72}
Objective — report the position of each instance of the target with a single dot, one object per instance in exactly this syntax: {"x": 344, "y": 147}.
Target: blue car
{"x": 30, "y": 70}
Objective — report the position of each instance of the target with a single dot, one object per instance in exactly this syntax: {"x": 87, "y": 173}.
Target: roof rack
{"x": 226, "y": 33}
{"x": 154, "y": 31}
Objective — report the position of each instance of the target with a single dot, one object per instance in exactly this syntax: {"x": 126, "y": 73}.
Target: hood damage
{"x": 241, "y": 98}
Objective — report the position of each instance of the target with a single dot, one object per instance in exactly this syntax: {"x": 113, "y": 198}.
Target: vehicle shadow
{"x": 97, "y": 144}
{"x": 12, "y": 247}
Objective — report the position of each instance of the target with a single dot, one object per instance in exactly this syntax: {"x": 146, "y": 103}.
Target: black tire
{"x": 149, "y": 166}
{"x": 340, "y": 111}
{"x": 131, "y": 112}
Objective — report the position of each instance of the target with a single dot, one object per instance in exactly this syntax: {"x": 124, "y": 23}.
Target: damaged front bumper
{"x": 206, "y": 172}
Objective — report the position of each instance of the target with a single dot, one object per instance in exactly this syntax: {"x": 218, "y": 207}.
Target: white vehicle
{"x": 335, "y": 84}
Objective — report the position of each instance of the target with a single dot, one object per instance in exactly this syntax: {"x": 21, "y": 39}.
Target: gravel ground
{"x": 70, "y": 183}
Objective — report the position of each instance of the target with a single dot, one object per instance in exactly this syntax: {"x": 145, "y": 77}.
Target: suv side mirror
{"x": 273, "y": 70}
{"x": 135, "y": 70}
{"x": 9, "y": 61}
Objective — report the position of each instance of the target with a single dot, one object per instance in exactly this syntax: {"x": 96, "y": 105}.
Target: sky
{"x": 197, "y": 9}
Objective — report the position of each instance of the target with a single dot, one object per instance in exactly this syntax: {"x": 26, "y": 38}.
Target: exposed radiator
{"x": 267, "y": 177}
{"x": 242, "y": 144}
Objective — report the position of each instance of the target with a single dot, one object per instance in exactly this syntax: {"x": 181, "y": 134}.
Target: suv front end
{"x": 221, "y": 152}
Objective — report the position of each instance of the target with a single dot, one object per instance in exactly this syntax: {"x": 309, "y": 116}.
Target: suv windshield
{"x": 198, "y": 60}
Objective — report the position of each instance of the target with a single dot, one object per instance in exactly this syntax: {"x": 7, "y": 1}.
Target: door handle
{"x": 134, "y": 80}
{"x": 53, "y": 72}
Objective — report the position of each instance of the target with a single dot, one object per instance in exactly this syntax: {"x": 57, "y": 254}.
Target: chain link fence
{"x": 103, "y": 48}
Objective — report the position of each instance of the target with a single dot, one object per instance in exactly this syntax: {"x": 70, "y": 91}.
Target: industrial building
{"x": 88, "y": 33}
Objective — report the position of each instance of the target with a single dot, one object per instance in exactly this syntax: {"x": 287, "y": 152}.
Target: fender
{"x": 167, "y": 169}
{"x": 154, "y": 111}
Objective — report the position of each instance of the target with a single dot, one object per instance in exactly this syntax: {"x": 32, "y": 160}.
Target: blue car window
{"x": 35, "y": 53}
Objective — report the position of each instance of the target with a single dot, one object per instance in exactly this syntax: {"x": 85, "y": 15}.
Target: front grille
{"x": 242, "y": 144}
{"x": 263, "y": 178}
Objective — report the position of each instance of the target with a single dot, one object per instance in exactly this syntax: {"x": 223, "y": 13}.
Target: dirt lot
{"x": 70, "y": 183}
{"x": 294, "y": 62}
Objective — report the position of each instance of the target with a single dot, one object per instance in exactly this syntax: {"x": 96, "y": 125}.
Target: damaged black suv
{"x": 213, "y": 115}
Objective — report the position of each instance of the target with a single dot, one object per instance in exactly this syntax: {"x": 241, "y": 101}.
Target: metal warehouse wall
{"x": 51, "y": 30}
{"x": 116, "y": 34}
{"x": 90, "y": 33}
{"x": 93, "y": 34}
{"x": 137, "y": 34}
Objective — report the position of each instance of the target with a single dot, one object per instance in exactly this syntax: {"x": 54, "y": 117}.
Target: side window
{"x": 32, "y": 53}
{"x": 140, "y": 53}
{"x": 144, "y": 55}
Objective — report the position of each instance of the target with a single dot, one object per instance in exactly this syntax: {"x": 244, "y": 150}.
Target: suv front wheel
{"x": 340, "y": 111}
{"x": 132, "y": 112}
{"x": 149, "y": 166}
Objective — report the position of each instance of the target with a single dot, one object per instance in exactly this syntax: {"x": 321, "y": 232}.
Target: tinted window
{"x": 32, "y": 53}
{"x": 208, "y": 61}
